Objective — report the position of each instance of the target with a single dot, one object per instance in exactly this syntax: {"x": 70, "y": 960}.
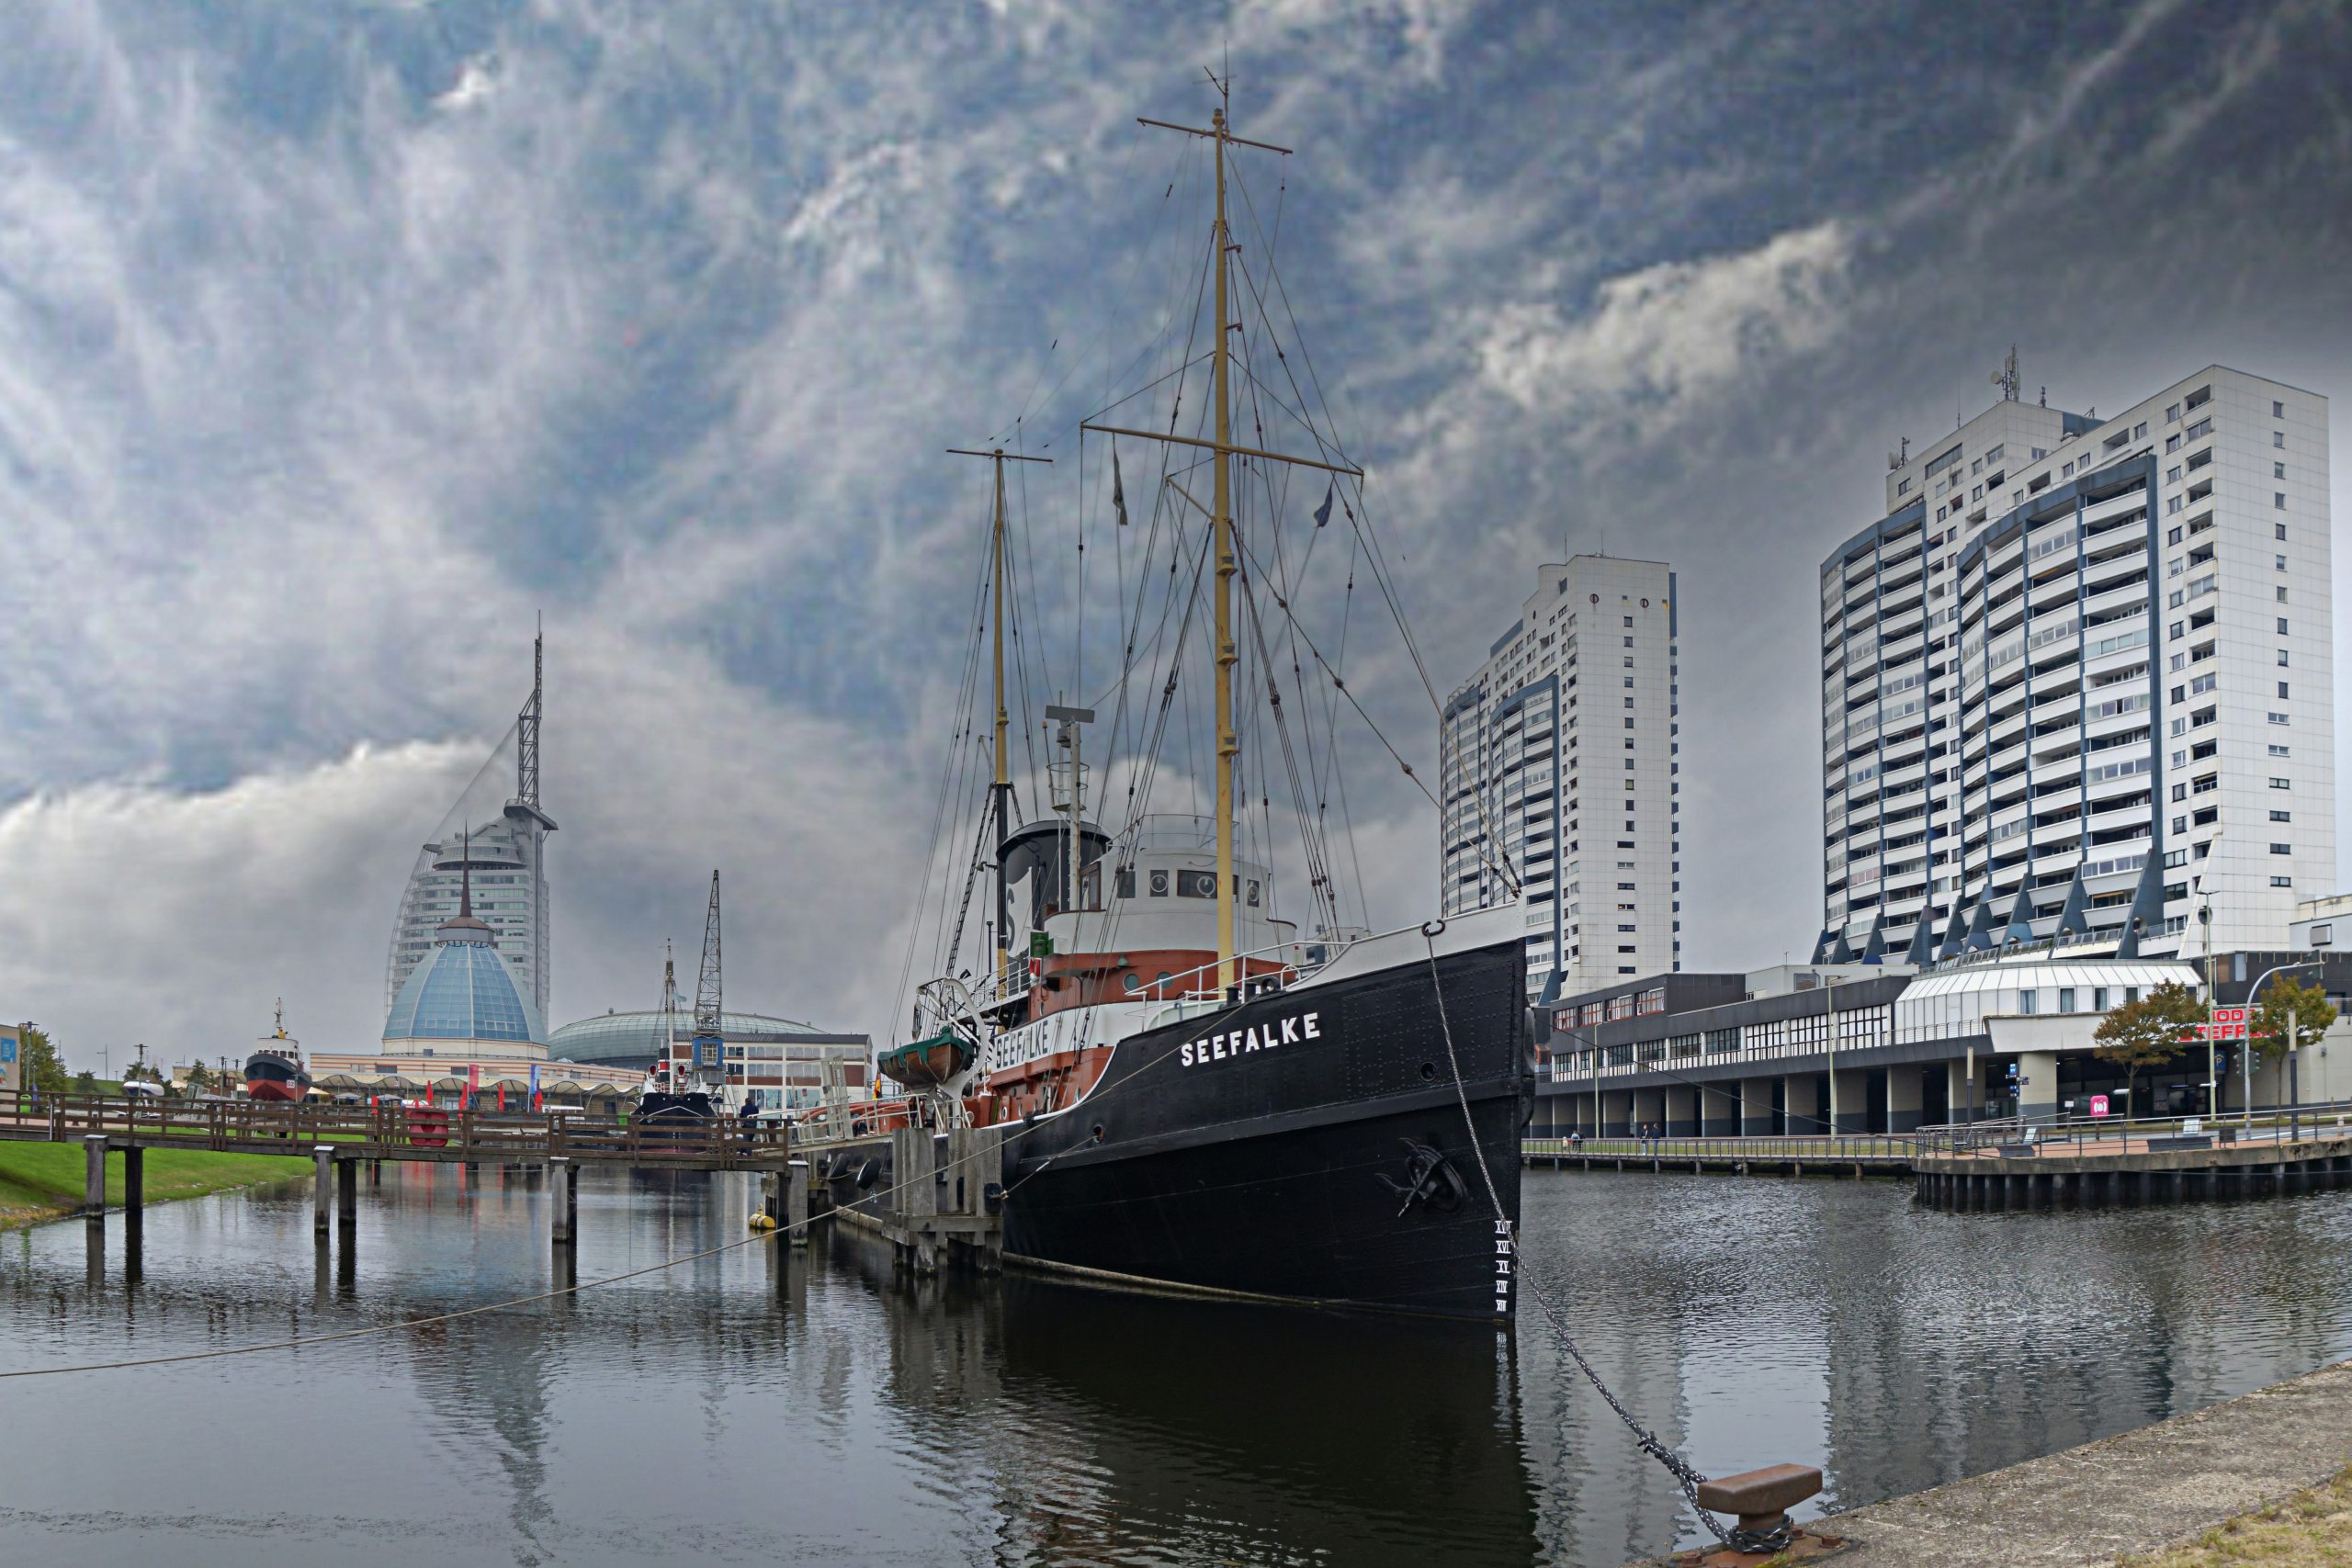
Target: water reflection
{"x": 816, "y": 1406}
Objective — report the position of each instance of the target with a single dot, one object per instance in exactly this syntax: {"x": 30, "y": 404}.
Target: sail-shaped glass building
{"x": 500, "y": 810}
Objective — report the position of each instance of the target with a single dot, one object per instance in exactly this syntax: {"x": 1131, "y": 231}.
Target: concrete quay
{"x": 2136, "y": 1492}
{"x": 2135, "y": 1170}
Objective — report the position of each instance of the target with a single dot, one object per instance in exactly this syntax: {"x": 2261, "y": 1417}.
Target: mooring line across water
{"x": 1013, "y": 1134}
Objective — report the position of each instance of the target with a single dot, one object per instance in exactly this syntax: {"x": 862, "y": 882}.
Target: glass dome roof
{"x": 462, "y": 991}
{"x": 629, "y": 1036}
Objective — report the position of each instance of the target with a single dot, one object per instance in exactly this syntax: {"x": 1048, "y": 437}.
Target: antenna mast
{"x": 1228, "y": 744}
{"x": 710, "y": 1044}
{"x": 526, "y": 735}
{"x": 2008, "y": 379}
{"x": 1000, "y": 791}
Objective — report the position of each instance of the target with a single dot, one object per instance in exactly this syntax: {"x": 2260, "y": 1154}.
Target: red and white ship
{"x": 274, "y": 1070}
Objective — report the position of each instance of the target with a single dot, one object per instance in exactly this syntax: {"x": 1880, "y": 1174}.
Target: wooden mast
{"x": 1001, "y": 790}
{"x": 1228, "y": 743}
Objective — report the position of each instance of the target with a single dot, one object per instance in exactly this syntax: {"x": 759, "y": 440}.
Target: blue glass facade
{"x": 462, "y": 991}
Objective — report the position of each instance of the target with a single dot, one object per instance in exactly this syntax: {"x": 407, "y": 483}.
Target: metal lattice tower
{"x": 527, "y": 733}
{"x": 709, "y": 1044}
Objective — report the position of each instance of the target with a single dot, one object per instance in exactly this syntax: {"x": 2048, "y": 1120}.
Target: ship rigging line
{"x": 1685, "y": 1476}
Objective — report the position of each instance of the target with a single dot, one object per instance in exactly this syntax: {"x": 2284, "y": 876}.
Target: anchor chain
{"x": 1685, "y": 1475}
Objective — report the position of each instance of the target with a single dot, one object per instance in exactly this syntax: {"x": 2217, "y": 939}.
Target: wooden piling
{"x": 321, "y": 1187}
{"x": 93, "y": 1175}
{"x": 796, "y": 1202}
{"x": 563, "y": 1200}
{"x": 135, "y": 1182}
{"x": 346, "y": 1192}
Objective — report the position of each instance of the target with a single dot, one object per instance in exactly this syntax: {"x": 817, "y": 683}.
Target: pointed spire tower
{"x": 507, "y": 834}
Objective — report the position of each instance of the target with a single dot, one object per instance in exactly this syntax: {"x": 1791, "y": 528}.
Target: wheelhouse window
{"x": 1197, "y": 885}
{"x": 1159, "y": 885}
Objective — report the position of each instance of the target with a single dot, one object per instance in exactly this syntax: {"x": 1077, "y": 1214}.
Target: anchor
{"x": 1430, "y": 1178}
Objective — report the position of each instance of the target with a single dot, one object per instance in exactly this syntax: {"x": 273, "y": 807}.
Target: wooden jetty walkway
{"x": 1848, "y": 1155}
{"x": 340, "y": 1139}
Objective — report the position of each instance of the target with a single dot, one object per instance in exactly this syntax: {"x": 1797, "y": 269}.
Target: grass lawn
{"x": 2310, "y": 1529}
{"x": 39, "y": 1180}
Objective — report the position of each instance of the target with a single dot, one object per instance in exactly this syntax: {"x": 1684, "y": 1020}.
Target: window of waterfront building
{"x": 2277, "y": 410}
{"x": 2066, "y": 998}
{"x": 2025, "y": 1001}
{"x": 2278, "y": 849}
{"x": 2278, "y": 438}
{"x": 2099, "y": 998}
{"x": 2278, "y": 470}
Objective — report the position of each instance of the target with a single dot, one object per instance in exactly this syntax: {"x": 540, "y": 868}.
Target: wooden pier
{"x": 339, "y": 1140}
{"x": 945, "y": 1201}
{"x": 1854, "y": 1156}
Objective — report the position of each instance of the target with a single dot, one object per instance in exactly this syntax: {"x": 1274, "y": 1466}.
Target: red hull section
{"x": 273, "y": 1089}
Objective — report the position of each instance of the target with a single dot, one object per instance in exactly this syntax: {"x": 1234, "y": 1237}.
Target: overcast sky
{"x": 337, "y": 340}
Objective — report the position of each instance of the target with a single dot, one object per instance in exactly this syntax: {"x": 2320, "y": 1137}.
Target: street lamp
{"x": 2254, "y": 996}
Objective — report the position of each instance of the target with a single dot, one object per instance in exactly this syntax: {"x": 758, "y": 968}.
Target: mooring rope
{"x": 1685, "y": 1476}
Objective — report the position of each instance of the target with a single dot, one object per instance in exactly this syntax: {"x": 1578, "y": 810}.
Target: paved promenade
{"x": 2135, "y": 1491}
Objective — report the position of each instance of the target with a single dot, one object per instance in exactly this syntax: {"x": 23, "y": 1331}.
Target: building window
{"x": 2281, "y": 752}
{"x": 2278, "y": 409}
{"x": 2278, "y": 470}
{"x": 2278, "y": 439}
{"x": 2282, "y": 784}
{"x": 2025, "y": 1001}
{"x": 2282, "y": 689}
{"x": 2282, "y": 817}
{"x": 2279, "y": 503}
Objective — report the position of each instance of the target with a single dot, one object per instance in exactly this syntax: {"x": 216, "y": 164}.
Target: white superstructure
{"x": 1558, "y": 761}
{"x": 2077, "y": 682}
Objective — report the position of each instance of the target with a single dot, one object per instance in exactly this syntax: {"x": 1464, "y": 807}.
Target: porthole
{"x": 1429, "y": 1071}
{"x": 1135, "y": 981}
{"x": 1160, "y": 883}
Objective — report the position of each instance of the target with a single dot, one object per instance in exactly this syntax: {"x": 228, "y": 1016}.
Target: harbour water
{"x": 753, "y": 1405}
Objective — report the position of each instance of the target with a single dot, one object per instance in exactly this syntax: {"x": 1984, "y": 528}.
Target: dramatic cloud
{"x": 339, "y": 341}
{"x": 1657, "y": 342}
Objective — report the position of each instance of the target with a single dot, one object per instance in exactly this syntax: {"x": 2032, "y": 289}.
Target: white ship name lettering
{"x": 1257, "y": 1037}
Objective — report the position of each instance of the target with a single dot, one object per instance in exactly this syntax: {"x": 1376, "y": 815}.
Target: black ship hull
{"x": 1309, "y": 1146}
{"x": 272, "y": 1075}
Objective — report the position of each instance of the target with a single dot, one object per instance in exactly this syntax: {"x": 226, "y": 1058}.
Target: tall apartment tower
{"x": 1559, "y": 759}
{"x": 2076, "y": 684}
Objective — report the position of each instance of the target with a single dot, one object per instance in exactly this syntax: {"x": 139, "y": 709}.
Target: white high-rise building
{"x": 504, "y": 836}
{"x": 2076, "y": 684}
{"x": 1558, "y": 765}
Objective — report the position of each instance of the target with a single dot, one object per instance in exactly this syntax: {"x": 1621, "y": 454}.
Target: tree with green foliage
{"x": 2286, "y": 994}
{"x": 199, "y": 1080}
{"x": 2147, "y": 1032}
{"x": 86, "y": 1082}
{"x": 42, "y": 1070}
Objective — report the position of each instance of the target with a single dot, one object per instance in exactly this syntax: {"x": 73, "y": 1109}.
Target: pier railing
{"x": 391, "y": 1132}
{"x": 2014, "y": 1137}
{"x": 1844, "y": 1147}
